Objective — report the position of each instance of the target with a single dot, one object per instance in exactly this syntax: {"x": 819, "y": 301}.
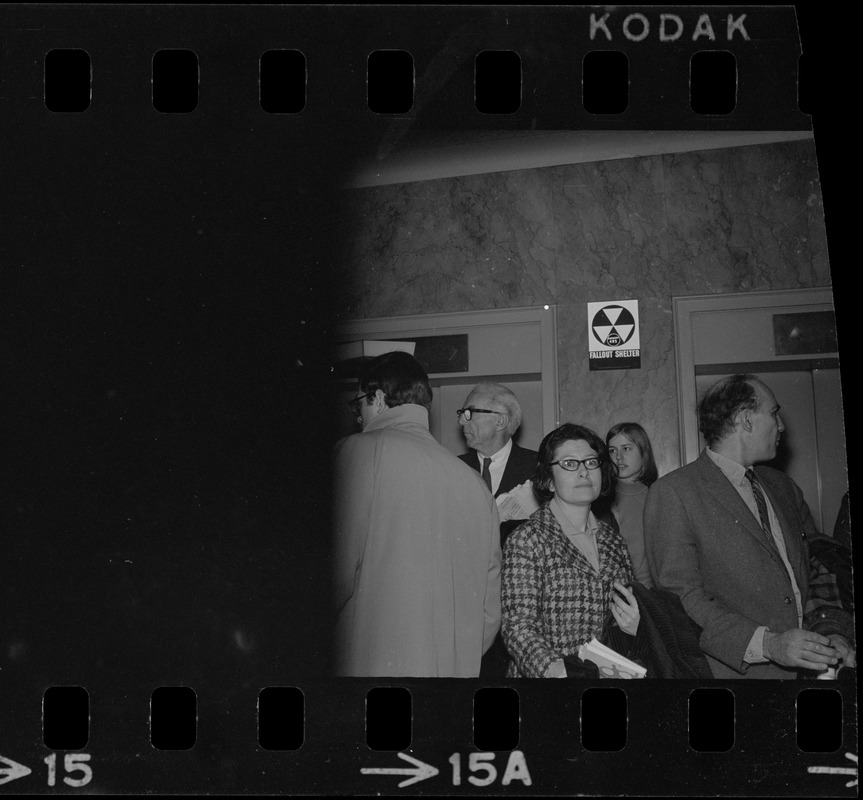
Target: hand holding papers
{"x": 611, "y": 664}
{"x": 518, "y": 503}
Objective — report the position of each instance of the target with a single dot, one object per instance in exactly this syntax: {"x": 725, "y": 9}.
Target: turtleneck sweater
{"x": 628, "y": 510}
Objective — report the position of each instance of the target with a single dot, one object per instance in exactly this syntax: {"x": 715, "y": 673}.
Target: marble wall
{"x": 652, "y": 228}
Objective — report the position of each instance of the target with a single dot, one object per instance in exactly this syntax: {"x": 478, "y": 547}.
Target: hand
{"x": 847, "y": 655}
{"x": 798, "y": 648}
{"x": 624, "y": 609}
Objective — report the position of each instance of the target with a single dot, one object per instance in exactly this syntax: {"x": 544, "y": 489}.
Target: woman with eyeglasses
{"x": 564, "y": 570}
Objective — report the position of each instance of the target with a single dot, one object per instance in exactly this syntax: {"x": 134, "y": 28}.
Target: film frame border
{"x": 425, "y": 693}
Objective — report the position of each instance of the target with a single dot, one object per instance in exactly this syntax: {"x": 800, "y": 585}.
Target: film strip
{"x": 195, "y": 197}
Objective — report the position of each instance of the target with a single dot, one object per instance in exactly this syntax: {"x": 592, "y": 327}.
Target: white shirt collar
{"x": 735, "y": 472}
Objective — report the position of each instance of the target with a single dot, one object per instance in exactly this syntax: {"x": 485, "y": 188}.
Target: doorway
{"x": 516, "y": 347}
{"x": 784, "y": 338}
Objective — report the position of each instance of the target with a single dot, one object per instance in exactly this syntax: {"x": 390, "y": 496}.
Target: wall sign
{"x": 613, "y": 335}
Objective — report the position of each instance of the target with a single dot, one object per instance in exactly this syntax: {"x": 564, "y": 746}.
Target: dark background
{"x": 167, "y": 282}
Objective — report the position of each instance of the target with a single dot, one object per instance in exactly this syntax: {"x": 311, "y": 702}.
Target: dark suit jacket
{"x": 705, "y": 545}
{"x": 519, "y": 468}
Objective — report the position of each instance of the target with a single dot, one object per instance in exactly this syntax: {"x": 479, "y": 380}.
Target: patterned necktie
{"x": 760, "y": 501}
{"x": 486, "y": 472}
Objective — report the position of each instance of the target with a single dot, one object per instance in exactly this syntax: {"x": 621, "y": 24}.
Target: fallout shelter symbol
{"x": 613, "y": 326}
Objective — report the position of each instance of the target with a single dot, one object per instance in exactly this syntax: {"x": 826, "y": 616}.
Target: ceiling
{"x": 448, "y": 154}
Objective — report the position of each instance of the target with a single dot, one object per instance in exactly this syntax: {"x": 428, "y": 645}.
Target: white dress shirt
{"x": 497, "y": 466}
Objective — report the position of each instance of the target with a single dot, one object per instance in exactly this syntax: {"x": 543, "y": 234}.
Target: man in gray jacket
{"x": 729, "y": 538}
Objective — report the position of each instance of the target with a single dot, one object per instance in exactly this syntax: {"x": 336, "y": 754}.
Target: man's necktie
{"x": 486, "y": 472}
{"x": 760, "y": 501}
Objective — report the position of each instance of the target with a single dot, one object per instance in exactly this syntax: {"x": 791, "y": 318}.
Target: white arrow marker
{"x": 837, "y": 770}
{"x": 420, "y": 770}
{"x": 12, "y": 771}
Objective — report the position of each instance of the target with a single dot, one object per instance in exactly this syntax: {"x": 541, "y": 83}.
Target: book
{"x": 611, "y": 664}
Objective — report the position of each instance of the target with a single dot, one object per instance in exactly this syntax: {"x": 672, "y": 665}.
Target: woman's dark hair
{"x": 638, "y": 436}
{"x": 400, "y": 377}
{"x": 722, "y": 402}
{"x": 542, "y": 477}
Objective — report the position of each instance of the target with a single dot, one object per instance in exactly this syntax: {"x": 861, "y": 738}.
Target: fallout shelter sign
{"x": 613, "y": 336}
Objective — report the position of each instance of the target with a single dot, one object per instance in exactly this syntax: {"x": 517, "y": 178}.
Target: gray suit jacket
{"x": 705, "y": 545}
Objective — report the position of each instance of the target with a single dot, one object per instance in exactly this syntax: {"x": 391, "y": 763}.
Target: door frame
{"x": 685, "y": 310}
{"x": 402, "y": 327}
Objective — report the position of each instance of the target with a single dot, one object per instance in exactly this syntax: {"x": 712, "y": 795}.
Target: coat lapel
{"x": 793, "y": 544}
{"x": 728, "y": 497}
{"x": 605, "y": 548}
{"x": 507, "y": 481}
{"x": 565, "y": 548}
{"x": 471, "y": 459}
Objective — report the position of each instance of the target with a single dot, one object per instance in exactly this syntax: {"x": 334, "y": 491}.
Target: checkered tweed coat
{"x": 553, "y": 600}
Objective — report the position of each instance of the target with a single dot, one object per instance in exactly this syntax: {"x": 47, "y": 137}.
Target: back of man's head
{"x": 721, "y": 404}
{"x": 400, "y": 377}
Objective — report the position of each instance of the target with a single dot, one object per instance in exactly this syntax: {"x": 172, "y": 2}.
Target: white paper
{"x": 518, "y": 503}
{"x": 604, "y": 656}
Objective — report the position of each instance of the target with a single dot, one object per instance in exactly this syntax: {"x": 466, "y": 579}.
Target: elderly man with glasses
{"x": 489, "y": 420}
{"x": 417, "y": 549}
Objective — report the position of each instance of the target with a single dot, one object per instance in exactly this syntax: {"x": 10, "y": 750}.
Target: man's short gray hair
{"x": 504, "y": 396}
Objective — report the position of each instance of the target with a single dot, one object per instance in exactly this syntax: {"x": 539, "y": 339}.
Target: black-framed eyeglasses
{"x": 468, "y": 412}
{"x": 356, "y": 403}
{"x": 572, "y": 464}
